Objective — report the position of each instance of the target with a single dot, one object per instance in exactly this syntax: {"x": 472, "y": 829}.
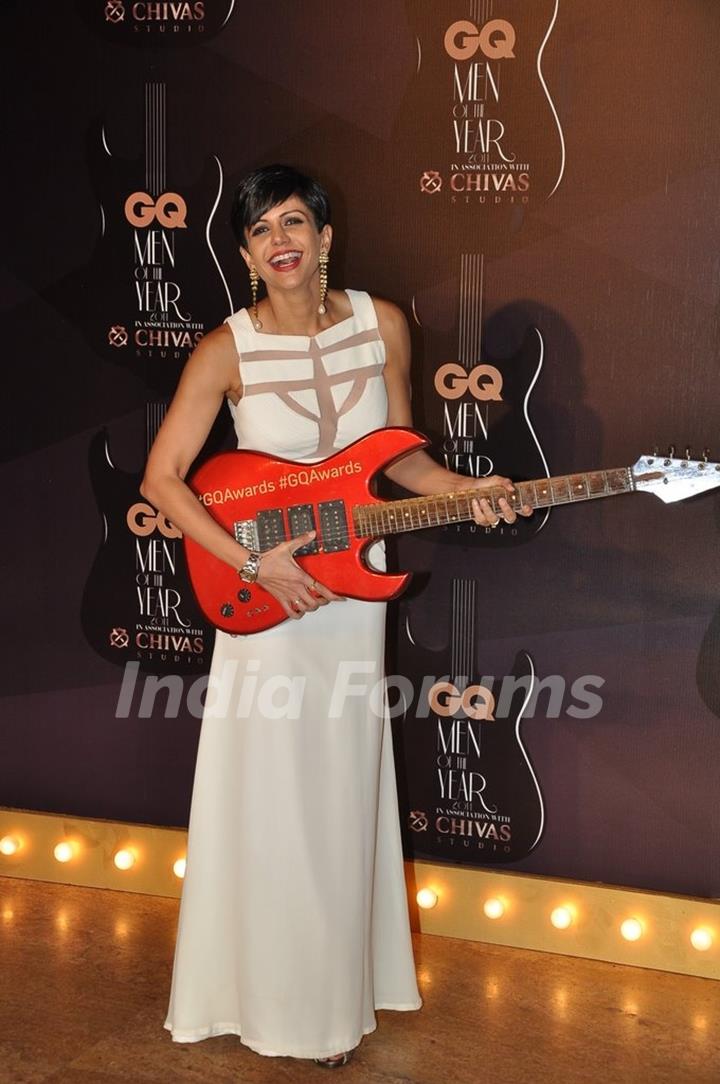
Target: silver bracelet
{"x": 249, "y": 571}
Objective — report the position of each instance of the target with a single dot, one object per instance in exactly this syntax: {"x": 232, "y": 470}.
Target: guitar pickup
{"x": 333, "y": 526}
{"x": 270, "y": 529}
{"x": 301, "y": 518}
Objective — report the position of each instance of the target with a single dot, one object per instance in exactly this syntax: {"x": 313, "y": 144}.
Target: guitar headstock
{"x": 673, "y": 479}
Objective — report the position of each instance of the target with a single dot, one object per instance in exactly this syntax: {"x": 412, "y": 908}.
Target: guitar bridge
{"x": 246, "y": 533}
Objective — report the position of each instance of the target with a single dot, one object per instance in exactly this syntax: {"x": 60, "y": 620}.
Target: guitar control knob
{"x": 227, "y": 609}
{"x": 244, "y": 595}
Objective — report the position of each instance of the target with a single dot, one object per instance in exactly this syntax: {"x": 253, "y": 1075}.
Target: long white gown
{"x": 293, "y": 924}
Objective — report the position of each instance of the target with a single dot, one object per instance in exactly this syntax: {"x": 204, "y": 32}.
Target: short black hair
{"x": 267, "y": 187}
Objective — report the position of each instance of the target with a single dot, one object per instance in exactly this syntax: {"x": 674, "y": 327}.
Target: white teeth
{"x": 286, "y": 257}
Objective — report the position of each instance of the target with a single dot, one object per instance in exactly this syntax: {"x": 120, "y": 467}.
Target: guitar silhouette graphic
{"x": 475, "y": 791}
{"x": 157, "y": 264}
{"x": 485, "y": 423}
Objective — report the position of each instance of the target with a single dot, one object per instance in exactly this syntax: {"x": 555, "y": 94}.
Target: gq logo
{"x": 169, "y": 210}
{"x": 484, "y": 382}
{"x": 463, "y": 39}
{"x": 142, "y": 519}
{"x": 475, "y": 701}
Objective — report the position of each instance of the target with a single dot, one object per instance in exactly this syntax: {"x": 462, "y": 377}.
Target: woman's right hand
{"x": 296, "y": 590}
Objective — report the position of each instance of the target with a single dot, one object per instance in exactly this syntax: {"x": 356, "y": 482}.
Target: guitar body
{"x": 263, "y": 501}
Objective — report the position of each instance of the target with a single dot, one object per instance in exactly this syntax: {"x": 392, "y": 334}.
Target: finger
{"x": 508, "y": 513}
{"x": 324, "y": 593}
{"x": 313, "y": 589}
{"x": 302, "y": 601}
{"x": 491, "y": 517}
{"x": 307, "y": 599}
{"x": 290, "y": 610}
{"x": 484, "y": 514}
{"x": 299, "y": 541}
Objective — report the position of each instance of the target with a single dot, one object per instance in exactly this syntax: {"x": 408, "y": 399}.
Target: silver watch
{"x": 249, "y": 571}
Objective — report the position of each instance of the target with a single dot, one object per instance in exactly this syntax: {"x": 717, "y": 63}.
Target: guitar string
{"x": 453, "y": 643}
{"x": 468, "y": 668}
{"x": 462, "y": 351}
{"x": 481, "y": 275}
{"x": 163, "y": 143}
{"x": 473, "y": 311}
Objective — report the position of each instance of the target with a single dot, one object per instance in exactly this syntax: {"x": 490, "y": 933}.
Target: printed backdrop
{"x": 536, "y": 184}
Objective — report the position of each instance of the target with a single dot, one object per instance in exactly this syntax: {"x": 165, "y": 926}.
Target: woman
{"x": 293, "y": 922}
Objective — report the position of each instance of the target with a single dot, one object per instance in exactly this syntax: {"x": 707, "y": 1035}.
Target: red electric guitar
{"x": 263, "y": 501}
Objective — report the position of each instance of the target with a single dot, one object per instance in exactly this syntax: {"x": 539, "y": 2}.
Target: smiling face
{"x": 284, "y": 245}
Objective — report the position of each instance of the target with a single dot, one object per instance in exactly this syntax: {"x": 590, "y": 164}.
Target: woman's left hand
{"x": 484, "y": 514}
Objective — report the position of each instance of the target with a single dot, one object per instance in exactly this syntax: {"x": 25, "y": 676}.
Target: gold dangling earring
{"x": 323, "y": 261}
{"x": 254, "y": 280}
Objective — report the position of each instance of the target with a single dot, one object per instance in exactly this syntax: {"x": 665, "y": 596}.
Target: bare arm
{"x": 210, "y": 374}
{"x": 418, "y": 472}
{"x": 206, "y": 379}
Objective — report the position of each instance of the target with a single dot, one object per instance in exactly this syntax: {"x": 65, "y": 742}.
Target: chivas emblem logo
{"x": 430, "y": 182}
{"x": 114, "y": 11}
{"x": 117, "y": 335}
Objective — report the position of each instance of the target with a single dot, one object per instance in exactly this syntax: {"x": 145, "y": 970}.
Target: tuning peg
{"x": 671, "y": 451}
{"x": 706, "y": 453}
{"x": 687, "y": 453}
{"x": 656, "y": 450}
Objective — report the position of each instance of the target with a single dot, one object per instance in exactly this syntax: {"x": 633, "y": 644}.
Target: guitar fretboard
{"x": 392, "y": 517}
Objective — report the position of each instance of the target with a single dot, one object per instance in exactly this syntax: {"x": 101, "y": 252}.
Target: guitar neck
{"x": 393, "y": 517}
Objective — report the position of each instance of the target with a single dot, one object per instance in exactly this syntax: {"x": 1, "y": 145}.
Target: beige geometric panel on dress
{"x": 321, "y": 382}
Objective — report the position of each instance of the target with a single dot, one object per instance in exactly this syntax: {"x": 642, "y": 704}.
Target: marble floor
{"x": 85, "y": 973}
